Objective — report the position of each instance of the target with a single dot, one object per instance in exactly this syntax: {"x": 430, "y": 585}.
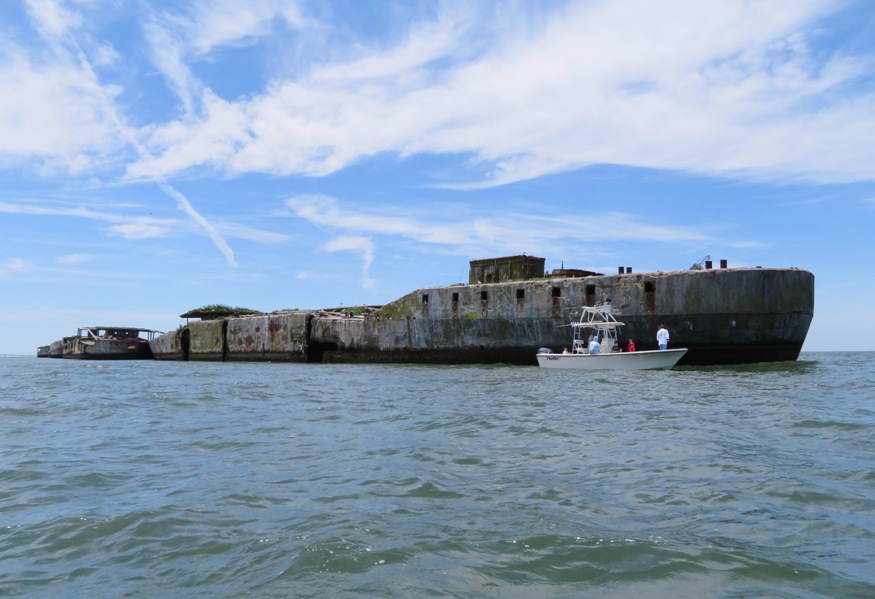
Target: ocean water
{"x": 154, "y": 479}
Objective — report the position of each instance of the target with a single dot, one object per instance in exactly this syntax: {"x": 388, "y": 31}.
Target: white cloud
{"x": 56, "y": 114}
{"x": 236, "y": 231}
{"x": 63, "y": 114}
{"x": 13, "y": 265}
{"x": 597, "y": 83}
{"x": 363, "y": 246}
{"x": 52, "y": 19}
{"x": 17, "y": 264}
{"x": 503, "y": 231}
{"x": 81, "y": 212}
{"x": 55, "y": 210}
{"x": 747, "y": 244}
{"x": 210, "y": 141}
{"x": 140, "y": 227}
{"x": 182, "y": 37}
{"x": 168, "y": 55}
{"x": 216, "y": 237}
{"x": 326, "y": 212}
{"x": 73, "y": 259}
{"x": 230, "y": 22}
{"x": 136, "y": 231}
{"x": 720, "y": 87}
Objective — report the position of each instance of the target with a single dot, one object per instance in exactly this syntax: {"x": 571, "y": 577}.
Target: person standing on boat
{"x": 630, "y": 346}
{"x": 662, "y": 337}
{"x": 594, "y": 346}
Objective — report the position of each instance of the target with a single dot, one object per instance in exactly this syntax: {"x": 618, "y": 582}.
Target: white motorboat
{"x": 600, "y": 322}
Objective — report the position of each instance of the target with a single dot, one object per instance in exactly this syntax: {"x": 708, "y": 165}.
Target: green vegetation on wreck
{"x": 358, "y": 310}
{"x": 403, "y": 307}
{"x": 218, "y": 311}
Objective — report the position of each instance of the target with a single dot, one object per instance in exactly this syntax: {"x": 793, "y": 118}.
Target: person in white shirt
{"x": 662, "y": 337}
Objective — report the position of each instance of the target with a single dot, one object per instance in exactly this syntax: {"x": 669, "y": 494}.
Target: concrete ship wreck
{"x": 510, "y": 308}
{"x": 102, "y": 343}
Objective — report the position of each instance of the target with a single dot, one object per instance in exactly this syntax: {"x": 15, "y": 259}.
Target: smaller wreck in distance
{"x": 102, "y": 343}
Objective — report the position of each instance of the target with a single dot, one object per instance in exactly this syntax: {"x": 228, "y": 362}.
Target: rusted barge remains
{"x": 103, "y": 343}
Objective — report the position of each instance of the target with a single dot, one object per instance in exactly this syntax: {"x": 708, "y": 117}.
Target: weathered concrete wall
{"x": 168, "y": 346}
{"x": 508, "y": 268}
{"x": 207, "y": 339}
{"x": 273, "y": 337}
{"x": 722, "y": 316}
{"x": 729, "y": 315}
{"x": 56, "y": 349}
{"x": 339, "y": 333}
{"x": 248, "y": 337}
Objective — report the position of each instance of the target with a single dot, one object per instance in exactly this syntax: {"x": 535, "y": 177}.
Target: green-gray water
{"x": 150, "y": 479}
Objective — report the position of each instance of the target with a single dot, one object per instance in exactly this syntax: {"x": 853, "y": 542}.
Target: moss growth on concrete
{"x": 404, "y": 307}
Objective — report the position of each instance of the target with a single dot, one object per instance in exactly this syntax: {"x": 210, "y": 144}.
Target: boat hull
{"x": 639, "y": 360}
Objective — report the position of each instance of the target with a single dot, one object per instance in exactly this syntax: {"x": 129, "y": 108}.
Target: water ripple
{"x": 224, "y": 480}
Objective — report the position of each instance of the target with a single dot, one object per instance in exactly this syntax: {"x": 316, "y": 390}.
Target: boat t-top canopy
{"x": 601, "y": 321}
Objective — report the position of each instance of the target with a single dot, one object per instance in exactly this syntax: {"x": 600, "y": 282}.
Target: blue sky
{"x": 156, "y": 157}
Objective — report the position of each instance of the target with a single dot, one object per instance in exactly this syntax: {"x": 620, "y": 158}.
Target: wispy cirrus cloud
{"x": 74, "y": 259}
{"x": 326, "y": 212}
{"x": 363, "y": 246}
{"x": 588, "y": 83}
{"x": 11, "y": 265}
{"x": 178, "y": 39}
{"x": 136, "y": 227}
{"x": 51, "y": 18}
{"x": 746, "y": 244}
{"x": 134, "y": 231}
{"x": 64, "y": 116}
{"x": 217, "y": 23}
{"x": 56, "y": 119}
{"x": 522, "y": 91}
{"x": 33, "y": 208}
{"x": 504, "y": 231}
